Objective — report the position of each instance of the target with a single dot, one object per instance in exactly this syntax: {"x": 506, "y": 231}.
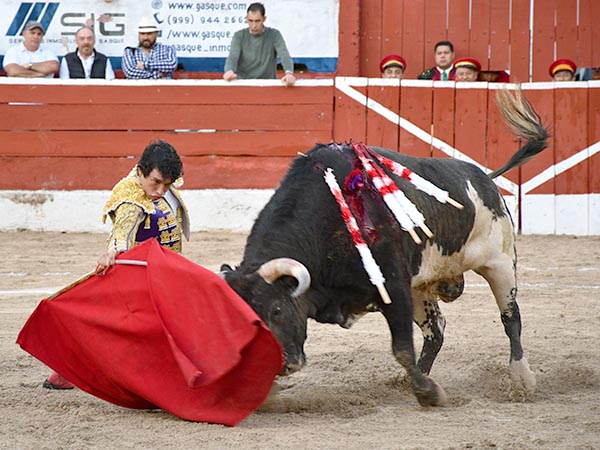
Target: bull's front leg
{"x": 399, "y": 317}
{"x": 429, "y": 318}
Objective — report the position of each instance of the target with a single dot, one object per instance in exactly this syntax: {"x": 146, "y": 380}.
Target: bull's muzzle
{"x": 291, "y": 366}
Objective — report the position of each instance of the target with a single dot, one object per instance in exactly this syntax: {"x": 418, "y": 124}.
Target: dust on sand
{"x": 351, "y": 394}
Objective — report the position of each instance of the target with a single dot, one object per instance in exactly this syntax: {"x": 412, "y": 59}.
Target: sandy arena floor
{"x": 350, "y": 394}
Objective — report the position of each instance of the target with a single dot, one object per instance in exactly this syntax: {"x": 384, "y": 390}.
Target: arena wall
{"x": 64, "y": 144}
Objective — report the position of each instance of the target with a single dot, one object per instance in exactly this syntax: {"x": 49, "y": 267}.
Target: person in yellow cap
{"x": 563, "y": 70}
{"x": 466, "y": 69}
{"x": 392, "y": 66}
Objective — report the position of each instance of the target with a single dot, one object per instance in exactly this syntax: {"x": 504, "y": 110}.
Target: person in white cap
{"x": 150, "y": 59}
{"x": 30, "y": 59}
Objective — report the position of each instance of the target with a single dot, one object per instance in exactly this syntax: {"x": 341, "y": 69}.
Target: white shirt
{"x": 19, "y": 55}
{"x": 109, "y": 74}
{"x": 448, "y": 70}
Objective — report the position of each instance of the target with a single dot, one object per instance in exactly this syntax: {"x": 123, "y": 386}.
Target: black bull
{"x": 300, "y": 261}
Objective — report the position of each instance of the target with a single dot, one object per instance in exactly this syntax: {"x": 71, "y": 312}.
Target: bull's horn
{"x": 278, "y": 267}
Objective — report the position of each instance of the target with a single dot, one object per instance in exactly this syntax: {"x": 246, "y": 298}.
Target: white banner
{"x": 198, "y": 29}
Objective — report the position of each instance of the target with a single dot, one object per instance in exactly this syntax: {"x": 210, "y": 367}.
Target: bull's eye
{"x": 276, "y": 313}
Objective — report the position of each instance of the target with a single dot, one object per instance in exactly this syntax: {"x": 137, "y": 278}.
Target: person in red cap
{"x": 563, "y": 70}
{"x": 466, "y": 69}
{"x": 392, "y": 66}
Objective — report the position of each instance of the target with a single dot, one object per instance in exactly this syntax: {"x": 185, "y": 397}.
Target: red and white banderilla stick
{"x": 371, "y": 267}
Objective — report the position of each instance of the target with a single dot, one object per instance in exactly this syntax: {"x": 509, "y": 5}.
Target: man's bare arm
{"x": 45, "y": 67}
{"x": 37, "y": 70}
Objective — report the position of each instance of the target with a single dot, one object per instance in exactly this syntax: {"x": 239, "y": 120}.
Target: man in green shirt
{"x": 254, "y": 50}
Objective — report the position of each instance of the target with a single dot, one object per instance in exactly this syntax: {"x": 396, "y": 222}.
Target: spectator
{"x": 150, "y": 59}
{"x": 254, "y": 50}
{"x": 563, "y": 70}
{"x": 143, "y": 205}
{"x": 466, "y": 69}
{"x": 443, "y": 54}
{"x": 86, "y": 62}
{"x": 30, "y": 59}
{"x": 494, "y": 76}
{"x": 392, "y": 66}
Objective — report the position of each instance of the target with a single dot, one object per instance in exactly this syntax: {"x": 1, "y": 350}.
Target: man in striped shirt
{"x": 150, "y": 59}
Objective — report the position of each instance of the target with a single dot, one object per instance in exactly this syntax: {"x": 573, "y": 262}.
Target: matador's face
{"x": 155, "y": 185}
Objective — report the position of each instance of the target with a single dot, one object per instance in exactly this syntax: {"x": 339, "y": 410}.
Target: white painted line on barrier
{"x": 560, "y": 167}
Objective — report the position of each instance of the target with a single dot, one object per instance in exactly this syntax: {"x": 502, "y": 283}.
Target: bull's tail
{"x": 524, "y": 122}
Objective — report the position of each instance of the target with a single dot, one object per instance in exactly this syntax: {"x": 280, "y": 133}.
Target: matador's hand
{"x": 105, "y": 261}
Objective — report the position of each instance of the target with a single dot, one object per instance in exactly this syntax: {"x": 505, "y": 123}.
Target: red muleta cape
{"x": 170, "y": 335}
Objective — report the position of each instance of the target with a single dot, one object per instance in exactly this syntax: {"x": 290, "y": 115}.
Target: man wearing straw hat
{"x": 150, "y": 59}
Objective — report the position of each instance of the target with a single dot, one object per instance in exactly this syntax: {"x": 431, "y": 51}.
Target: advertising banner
{"x": 201, "y": 31}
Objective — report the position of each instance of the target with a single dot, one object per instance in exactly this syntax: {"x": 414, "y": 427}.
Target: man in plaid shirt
{"x": 150, "y": 59}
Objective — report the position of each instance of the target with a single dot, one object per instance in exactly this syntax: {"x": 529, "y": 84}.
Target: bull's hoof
{"x": 430, "y": 393}
{"x": 522, "y": 376}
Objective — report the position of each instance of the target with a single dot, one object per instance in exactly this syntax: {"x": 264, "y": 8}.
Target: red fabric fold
{"x": 171, "y": 335}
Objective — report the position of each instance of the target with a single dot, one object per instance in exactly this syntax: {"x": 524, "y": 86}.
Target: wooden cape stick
{"x": 129, "y": 262}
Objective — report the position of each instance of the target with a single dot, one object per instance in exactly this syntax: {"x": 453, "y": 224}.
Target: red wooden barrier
{"x": 229, "y": 136}
{"x": 79, "y": 136}
{"x": 416, "y": 106}
{"x": 520, "y": 41}
{"x": 416, "y": 36}
{"x": 594, "y": 140}
{"x": 501, "y": 34}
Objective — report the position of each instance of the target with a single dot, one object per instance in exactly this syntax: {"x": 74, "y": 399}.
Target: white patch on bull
{"x": 423, "y": 304}
{"x": 491, "y": 242}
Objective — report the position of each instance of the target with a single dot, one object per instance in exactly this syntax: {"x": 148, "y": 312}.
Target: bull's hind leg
{"x": 399, "y": 317}
{"x": 500, "y": 273}
{"x": 428, "y": 316}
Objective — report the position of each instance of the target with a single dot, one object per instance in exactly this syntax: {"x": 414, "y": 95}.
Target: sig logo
{"x": 110, "y": 24}
{"x": 104, "y": 25}
{"x": 42, "y": 12}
